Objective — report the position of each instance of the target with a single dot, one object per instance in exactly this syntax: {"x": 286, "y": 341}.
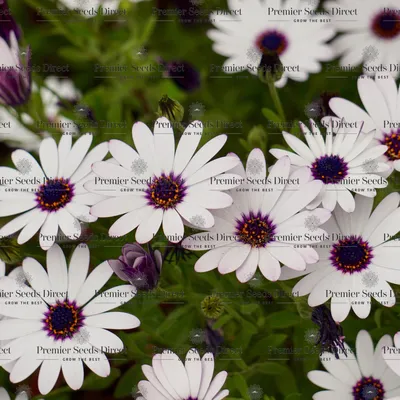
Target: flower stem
{"x": 276, "y": 100}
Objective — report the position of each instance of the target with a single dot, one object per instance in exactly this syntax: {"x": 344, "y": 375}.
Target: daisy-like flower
{"x": 339, "y": 162}
{"x": 51, "y": 195}
{"x": 381, "y": 99}
{"x": 266, "y": 26}
{"x": 47, "y": 320}
{"x": 265, "y": 226}
{"x": 160, "y": 185}
{"x": 360, "y": 376}
{"x": 57, "y": 94}
{"x": 371, "y": 37}
{"x": 356, "y": 261}
{"x": 15, "y": 133}
{"x": 170, "y": 378}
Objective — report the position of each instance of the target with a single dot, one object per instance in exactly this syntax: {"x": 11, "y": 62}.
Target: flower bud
{"x": 171, "y": 109}
{"x": 270, "y": 69}
{"x": 10, "y": 250}
{"x": 140, "y": 268}
{"x": 7, "y": 23}
{"x": 15, "y": 73}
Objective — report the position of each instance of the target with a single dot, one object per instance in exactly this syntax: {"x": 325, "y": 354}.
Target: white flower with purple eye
{"x": 244, "y": 38}
{"x": 170, "y": 378}
{"x": 64, "y": 305}
{"x": 360, "y": 376}
{"x": 376, "y": 25}
{"x": 265, "y": 227}
{"x": 356, "y": 261}
{"x": 51, "y": 195}
{"x": 177, "y": 187}
{"x": 381, "y": 100}
{"x": 338, "y": 162}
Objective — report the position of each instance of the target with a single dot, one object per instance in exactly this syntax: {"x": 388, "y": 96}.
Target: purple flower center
{"x": 55, "y": 194}
{"x": 386, "y": 25}
{"x": 272, "y": 41}
{"x": 166, "y": 191}
{"x": 257, "y": 230}
{"x": 329, "y": 169}
{"x": 351, "y": 255}
{"x": 368, "y": 389}
{"x": 392, "y": 141}
{"x": 63, "y": 320}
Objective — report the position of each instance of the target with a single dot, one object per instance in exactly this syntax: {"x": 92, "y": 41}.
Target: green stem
{"x": 276, "y": 100}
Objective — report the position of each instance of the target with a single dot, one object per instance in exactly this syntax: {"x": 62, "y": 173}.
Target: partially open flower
{"x": 140, "y": 268}
{"x": 15, "y": 72}
{"x": 7, "y": 22}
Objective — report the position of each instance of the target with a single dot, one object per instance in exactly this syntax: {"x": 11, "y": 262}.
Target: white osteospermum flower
{"x": 65, "y": 322}
{"x": 371, "y": 37}
{"x": 53, "y": 94}
{"x": 65, "y": 90}
{"x": 160, "y": 185}
{"x": 356, "y": 261}
{"x": 265, "y": 226}
{"x": 341, "y": 163}
{"x": 243, "y": 38}
{"x": 14, "y": 133}
{"x": 51, "y": 195}
{"x": 381, "y": 99}
{"x": 360, "y": 376}
{"x": 169, "y": 378}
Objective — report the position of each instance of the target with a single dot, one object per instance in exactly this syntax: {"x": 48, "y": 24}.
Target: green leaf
{"x": 95, "y": 382}
{"x": 282, "y": 319}
{"x": 271, "y": 115}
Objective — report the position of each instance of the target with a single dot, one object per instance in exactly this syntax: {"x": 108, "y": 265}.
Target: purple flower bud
{"x": 184, "y": 75}
{"x": 15, "y": 73}
{"x": 140, "y": 268}
{"x": 7, "y": 23}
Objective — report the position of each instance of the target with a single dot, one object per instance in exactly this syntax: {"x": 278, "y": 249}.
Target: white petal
{"x": 48, "y": 153}
{"x": 129, "y": 221}
{"x": 247, "y": 270}
{"x": 207, "y": 366}
{"x": 73, "y": 372}
{"x": 49, "y": 231}
{"x": 149, "y": 228}
{"x": 16, "y": 206}
{"x": 187, "y": 145}
{"x": 48, "y": 375}
{"x": 118, "y": 205}
{"x": 172, "y": 226}
{"x": 78, "y": 269}
{"x": 234, "y": 258}
{"x": 76, "y": 155}
{"x": 85, "y": 167}
{"x": 110, "y": 299}
{"x": 269, "y": 266}
{"x": 208, "y": 151}
{"x": 211, "y": 259}
{"x": 94, "y": 282}
{"x": 113, "y": 320}
{"x": 164, "y": 144}
{"x": 57, "y": 270}
{"x": 176, "y": 373}
{"x": 69, "y": 224}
